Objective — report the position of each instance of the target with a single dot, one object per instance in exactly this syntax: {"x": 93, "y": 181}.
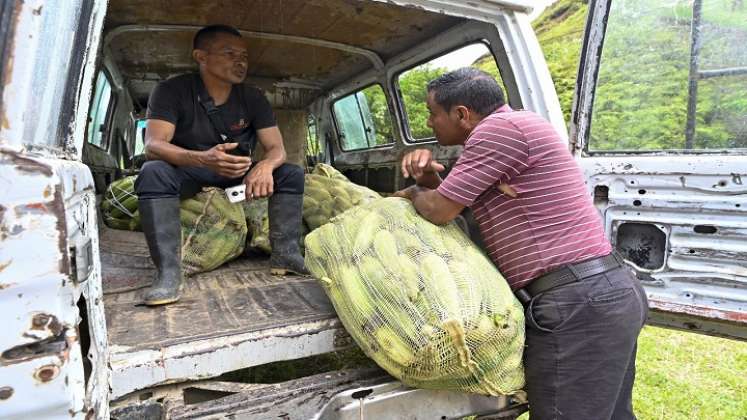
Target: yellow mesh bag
{"x": 213, "y": 230}
{"x": 420, "y": 299}
{"x": 328, "y": 193}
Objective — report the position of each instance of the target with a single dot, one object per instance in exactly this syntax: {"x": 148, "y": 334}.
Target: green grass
{"x": 683, "y": 375}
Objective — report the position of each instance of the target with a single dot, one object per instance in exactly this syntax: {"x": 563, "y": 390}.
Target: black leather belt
{"x": 568, "y": 274}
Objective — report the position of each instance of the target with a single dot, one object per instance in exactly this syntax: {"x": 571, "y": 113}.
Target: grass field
{"x": 684, "y": 375}
{"x": 688, "y": 376}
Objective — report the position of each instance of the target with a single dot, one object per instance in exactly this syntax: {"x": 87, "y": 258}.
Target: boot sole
{"x": 161, "y": 301}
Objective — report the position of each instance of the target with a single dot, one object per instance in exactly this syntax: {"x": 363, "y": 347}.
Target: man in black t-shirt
{"x": 200, "y": 131}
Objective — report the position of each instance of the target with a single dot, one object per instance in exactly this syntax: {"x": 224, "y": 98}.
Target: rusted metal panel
{"x": 341, "y": 395}
{"x": 713, "y": 312}
{"x": 48, "y": 217}
{"x": 699, "y": 208}
{"x": 49, "y": 208}
{"x": 209, "y": 358}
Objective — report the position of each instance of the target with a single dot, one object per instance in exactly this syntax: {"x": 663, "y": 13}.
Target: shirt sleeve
{"x": 495, "y": 152}
{"x": 260, "y": 106}
{"x": 163, "y": 104}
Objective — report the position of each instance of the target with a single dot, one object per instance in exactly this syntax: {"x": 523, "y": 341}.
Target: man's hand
{"x": 420, "y": 165}
{"x": 219, "y": 161}
{"x": 259, "y": 181}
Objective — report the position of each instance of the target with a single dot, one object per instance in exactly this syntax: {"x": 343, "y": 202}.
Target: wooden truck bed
{"x": 233, "y": 317}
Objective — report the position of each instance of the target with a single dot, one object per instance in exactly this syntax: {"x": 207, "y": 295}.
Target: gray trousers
{"x": 580, "y": 350}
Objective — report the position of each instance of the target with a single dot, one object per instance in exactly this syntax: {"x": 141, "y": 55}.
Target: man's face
{"x": 445, "y": 124}
{"x": 227, "y": 58}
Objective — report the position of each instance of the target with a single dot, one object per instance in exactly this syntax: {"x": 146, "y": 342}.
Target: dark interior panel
{"x": 643, "y": 244}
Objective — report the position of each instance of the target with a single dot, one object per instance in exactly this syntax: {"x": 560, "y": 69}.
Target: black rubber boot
{"x": 285, "y": 233}
{"x": 163, "y": 232}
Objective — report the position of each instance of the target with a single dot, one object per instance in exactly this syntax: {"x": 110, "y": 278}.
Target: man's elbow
{"x": 150, "y": 150}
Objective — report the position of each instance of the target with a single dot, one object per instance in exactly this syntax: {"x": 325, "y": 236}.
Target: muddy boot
{"x": 285, "y": 233}
{"x": 163, "y": 232}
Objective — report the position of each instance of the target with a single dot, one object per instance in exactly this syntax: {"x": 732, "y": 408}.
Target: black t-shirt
{"x": 175, "y": 100}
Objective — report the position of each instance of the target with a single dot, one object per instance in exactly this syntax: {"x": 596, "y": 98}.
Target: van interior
{"x": 334, "y": 72}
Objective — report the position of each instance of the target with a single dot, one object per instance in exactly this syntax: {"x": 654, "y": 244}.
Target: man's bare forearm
{"x": 274, "y": 157}
{"x": 423, "y": 201}
{"x": 173, "y": 154}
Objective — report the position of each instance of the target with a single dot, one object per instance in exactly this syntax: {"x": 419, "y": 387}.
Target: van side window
{"x": 140, "y": 137}
{"x": 664, "y": 86}
{"x": 413, "y": 83}
{"x": 363, "y": 119}
{"x": 313, "y": 145}
{"x": 97, "y": 117}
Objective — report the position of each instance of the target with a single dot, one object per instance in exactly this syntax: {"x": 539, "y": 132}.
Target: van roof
{"x": 312, "y": 44}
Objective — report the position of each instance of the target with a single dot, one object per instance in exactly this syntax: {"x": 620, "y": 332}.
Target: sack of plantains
{"x": 420, "y": 299}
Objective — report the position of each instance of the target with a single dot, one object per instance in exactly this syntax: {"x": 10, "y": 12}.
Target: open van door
{"x": 660, "y": 128}
{"x": 53, "y": 348}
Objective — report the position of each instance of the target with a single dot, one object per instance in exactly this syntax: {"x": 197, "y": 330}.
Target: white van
{"x": 343, "y": 77}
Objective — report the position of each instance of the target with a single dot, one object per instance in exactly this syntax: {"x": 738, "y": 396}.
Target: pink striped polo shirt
{"x": 552, "y": 222}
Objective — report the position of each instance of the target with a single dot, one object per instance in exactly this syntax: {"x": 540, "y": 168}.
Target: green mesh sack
{"x": 420, "y": 299}
{"x": 328, "y": 193}
{"x": 213, "y": 230}
{"x": 258, "y": 223}
{"x": 119, "y": 206}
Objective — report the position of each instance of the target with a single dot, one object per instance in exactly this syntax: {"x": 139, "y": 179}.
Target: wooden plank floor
{"x": 239, "y": 297}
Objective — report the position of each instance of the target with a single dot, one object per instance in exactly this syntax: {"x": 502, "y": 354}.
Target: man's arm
{"x": 259, "y": 182}
{"x": 158, "y": 136}
{"x": 272, "y": 142}
{"x": 430, "y": 204}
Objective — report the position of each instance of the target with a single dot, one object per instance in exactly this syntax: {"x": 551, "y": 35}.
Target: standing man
{"x": 584, "y": 307}
{"x": 201, "y": 130}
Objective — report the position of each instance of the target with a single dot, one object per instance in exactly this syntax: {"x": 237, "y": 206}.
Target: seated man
{"x": 201, "y": 130}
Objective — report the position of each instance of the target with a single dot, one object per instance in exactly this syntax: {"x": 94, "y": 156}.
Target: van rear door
{"x": 50, "y": 285}
{"x": 660, "y": 127}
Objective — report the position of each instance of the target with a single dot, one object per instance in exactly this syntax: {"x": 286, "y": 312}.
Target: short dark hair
{"x": 470, "y": 87}
{"x": 206, "y": 35}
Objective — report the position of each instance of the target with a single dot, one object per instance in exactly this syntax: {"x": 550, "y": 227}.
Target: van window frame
{"x": 337, "y": 127}
{"x": 582, "y": 112}
{"x": 399, "y": 100}
{"x": 108, "y": 118}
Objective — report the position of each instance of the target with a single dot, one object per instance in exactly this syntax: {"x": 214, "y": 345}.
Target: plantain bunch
{"x": 328, "y": 193}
